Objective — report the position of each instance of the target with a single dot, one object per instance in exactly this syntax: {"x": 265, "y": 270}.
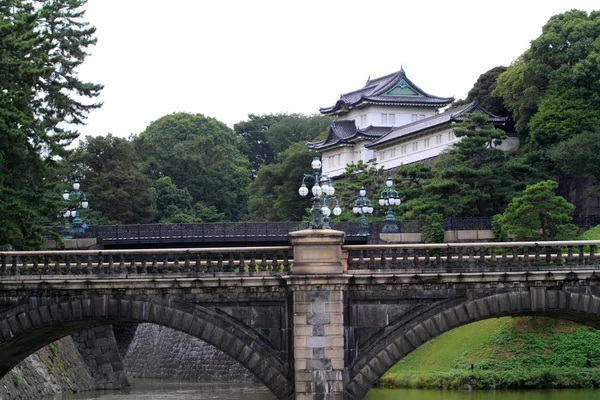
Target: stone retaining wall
{"x": 52, "y": 369}
{"x": 164, "y": 353}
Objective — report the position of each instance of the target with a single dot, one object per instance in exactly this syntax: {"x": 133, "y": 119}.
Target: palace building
{"x": 391, "y": 121}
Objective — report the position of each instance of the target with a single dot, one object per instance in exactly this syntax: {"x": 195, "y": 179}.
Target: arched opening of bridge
{"x": 37, "y": 323}
{"x": 398, "y": 342}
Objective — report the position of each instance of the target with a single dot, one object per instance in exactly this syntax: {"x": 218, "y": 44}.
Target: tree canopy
{"x": 200, "y": 154}
{"x": 42, "y": 43}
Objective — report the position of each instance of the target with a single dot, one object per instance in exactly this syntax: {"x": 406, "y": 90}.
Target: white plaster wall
{"x": 334, "y": 161}
{"x": 403, "y": 115}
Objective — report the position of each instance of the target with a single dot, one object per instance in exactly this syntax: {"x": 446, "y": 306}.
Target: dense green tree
{"x": 274, "y": 193}
{"x": 295, "y": 128}
{"x": 110, "y": 174}
{"x": 201, "y": 155}
{"x": 578, "y": 156}
{"x": 558, "y": 73}
{"x": 537, "y": 214}
{"x": 356, "y": 176}
{"x": 41, "y": 45}
{"x": 254, "y": 144}
{"x": 482, "y": 92}
{"x": 171, "y": 200}
{"x": 471, "y": 178}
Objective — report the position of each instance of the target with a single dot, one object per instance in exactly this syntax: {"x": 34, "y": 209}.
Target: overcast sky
{"x": 226, "y": 59}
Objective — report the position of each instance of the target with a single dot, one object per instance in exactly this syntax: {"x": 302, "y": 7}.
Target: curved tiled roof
{"x": 379, "y": 91}
{"x": 345, "y": 132}
{"x": 456, "y": 114}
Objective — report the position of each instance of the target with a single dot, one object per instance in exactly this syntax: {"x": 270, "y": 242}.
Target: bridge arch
{"x": 395, "y": 342}
{"x": 29, "y": 326}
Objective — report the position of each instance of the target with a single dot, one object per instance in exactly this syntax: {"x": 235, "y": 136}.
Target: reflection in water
{"x": 156, "y": 389}
{"x": 416, "y": 394}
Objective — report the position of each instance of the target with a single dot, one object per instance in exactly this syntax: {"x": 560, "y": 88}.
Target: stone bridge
{"x": 316, "y": 320}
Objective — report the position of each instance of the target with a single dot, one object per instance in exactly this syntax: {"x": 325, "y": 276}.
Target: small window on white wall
{"x": 426, "y": 143}
{"x": 438, "y": 139}
{"x": 414, "y": 117}
{"x": 393, "y": 152}
{"x": 415, "y": 146}
{"x": 392, "y": 119}
{"x": 450, "y": 136}
{"x": 382, "y": 155}
{"x": 384, "y": 119}
{"x": 422, "y": 116}
{"x": 363, "y": 120}
{"x": 403, "y": 149}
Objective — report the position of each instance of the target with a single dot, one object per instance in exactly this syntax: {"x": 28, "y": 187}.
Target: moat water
{"x": 150, "y": 389}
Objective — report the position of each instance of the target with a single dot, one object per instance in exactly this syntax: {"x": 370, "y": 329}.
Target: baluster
{"x": 482, "y": 254}
{"x": 164, "y": 268}
{"x": 89, "y": 266}
{"x": 176, "y": 266}
{"x": 559, "y": 258}
{"x": 186, "y": 264}
{"x": 438, "y": 258}
{"x": 121, "y": 267}
{"x": 100, "y": 265}
{"x": 427, "y": 258}
{"x": 471, "y": 253}
{"x": 570, "y": 257}
{"x": 78, "y": 266}
{"x": 405, "y": 263}
{"x": 209, "y": 263}
{"x": 536, "y": 258}
{"x": 263, "y": 263}
{"x": 394, "y": 263}
{"x": 68, "y": 265}
{"x": 54, "y": 270}
{"x": 448, "y": 257}
{"x": 198, "y": 264}
{"x": 515, "y": 257}
{"x": 111, "y": 265}
{"x": 382, "y": 260}
{"x": 415, "y": 259}
{"x": 220, "y": 262}
{"x": 252, "y": 266}
{"x": 15, "y": 266}
{"x": 142, "y": 267}
{"x": 526, "y": 256}
{"x": 34, "y": 266}
{"x": 361, "y": 259}
{"x": 371, "y": 260}
{"x": 504, "y": 257}
{"x": 548, "y": 255}
{"x": 46, "y": 265}
{"x": 581, "y": 260}
{"x": 493, "y": 259}
{"x": 459, "y": 250}
{"x": 154, "y": 268}
{"x": 286, "y": 262}
{"x": 241, "y": 264}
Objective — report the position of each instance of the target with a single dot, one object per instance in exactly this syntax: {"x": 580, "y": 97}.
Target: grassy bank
{"x": 504, "y": 353}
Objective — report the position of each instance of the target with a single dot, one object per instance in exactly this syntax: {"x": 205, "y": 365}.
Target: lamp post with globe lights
{"x": 389, "y": 197}
{"x": 362, "y": 207}
{"x": 74, "y": 199}
{"x": 322, "y": 191}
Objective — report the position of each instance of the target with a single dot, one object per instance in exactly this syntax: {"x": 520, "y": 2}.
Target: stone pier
{"x": 318, "y": 284}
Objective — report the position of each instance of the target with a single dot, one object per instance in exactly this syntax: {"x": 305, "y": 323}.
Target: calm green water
{"x": 149, "y": 389}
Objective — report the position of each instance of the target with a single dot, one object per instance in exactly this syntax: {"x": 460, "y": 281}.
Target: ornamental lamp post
{"x": 75, "y": 200}
{"x": 389, "y": 197}
{"x": 322, "y": 191}
{"x": 362, "y": 207}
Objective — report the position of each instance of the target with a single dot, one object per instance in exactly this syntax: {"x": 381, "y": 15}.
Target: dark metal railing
{"x": 474, "y": 257}
{"x": 202, "y": 261}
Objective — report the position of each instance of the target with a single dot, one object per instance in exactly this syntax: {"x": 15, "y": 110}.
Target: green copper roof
{"x": 402, "y": 88}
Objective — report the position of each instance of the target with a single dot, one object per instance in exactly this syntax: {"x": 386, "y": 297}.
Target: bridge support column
{"x": 318, "y": 284}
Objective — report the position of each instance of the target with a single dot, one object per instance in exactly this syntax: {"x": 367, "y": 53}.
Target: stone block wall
{"x": 53, "y": 369}
{"x": 164, "y": 353}
{"x": 99, "y": 351}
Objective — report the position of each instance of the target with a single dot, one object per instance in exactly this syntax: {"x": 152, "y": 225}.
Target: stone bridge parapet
{"x": 316, "y": 320}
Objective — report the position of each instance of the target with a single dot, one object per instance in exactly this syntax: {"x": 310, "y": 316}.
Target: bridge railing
{"x": 199, "y": 261}
{"x": 474, "y": 257}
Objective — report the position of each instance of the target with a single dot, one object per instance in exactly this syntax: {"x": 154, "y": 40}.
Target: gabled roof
{"x": 345, "y": 132}
{"x": 456, "y": 114}
{"x": 393, "y": 89}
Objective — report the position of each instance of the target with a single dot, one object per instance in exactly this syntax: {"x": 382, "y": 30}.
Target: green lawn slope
{"x": 507, "y": 353}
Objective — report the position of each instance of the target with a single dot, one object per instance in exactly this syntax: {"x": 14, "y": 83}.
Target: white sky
{"x": 226, "y": 59}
